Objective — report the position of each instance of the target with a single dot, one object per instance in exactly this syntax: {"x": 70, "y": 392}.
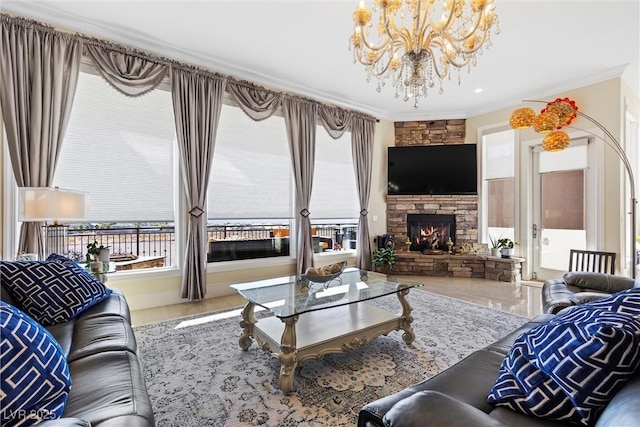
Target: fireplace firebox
{"x": 430, "y": 231}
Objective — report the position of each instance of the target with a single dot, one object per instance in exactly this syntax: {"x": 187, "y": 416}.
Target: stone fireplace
{"x": 459, "y": 214}
{"x": 415, "y": 221}
{"x": 432, "y": 214}
{"x": 430, "y": 231}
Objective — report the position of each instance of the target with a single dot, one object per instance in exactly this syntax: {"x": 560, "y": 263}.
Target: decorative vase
{"x": 95, "y": 266}
{"x": 506, "y": 252}
{"x": 495, "y": 252}
{"x": 104, "y": 255}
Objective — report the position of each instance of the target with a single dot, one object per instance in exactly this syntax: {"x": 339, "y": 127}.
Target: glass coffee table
{"x": 312, "y": 319}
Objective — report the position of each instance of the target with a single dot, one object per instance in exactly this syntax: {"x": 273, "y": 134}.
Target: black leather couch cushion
{"x": 107, "y": 387}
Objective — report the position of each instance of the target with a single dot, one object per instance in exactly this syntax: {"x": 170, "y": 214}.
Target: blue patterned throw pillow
{"x": 34, "y": 374}
{"x": 52, "y": 291}
{"x": 570, "y": 368}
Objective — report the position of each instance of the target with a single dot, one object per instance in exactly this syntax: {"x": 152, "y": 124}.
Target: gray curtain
{"x": 256, "y": 102}
{"x": 39, "y": 75}
{"x": 197, "y": 101}
{"x": 128, "y": 74}
{"x": 362, "y": 132}
{"x": 300, "y": 119}
{"x": 336, "y": 122}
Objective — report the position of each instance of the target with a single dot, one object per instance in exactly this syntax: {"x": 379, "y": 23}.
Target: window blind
{"x": 334, "y": 193}
{"x": 251, "y": 174}
{"x": 120, "y": 150}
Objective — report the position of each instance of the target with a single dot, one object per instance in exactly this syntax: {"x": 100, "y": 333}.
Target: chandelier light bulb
{"x": 405, "y": 42}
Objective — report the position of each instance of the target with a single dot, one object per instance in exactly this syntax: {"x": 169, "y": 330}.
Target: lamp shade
{"x": 546, "y": 122}
{"x": 556, "y": 141}
{"x": 522, "y": 118}
{"x": 50, "y": 204}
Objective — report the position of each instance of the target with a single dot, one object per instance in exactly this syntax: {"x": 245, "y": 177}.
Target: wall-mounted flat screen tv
{"x": 432, "y": 169}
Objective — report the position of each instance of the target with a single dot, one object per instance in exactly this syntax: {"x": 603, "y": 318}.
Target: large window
{"x": 499, "y": 190}
{"x": 250, "y": 194}
{"x": 334, "y": 203}
{"x": 251, "y": 190}
{"x": 120, "y": 151}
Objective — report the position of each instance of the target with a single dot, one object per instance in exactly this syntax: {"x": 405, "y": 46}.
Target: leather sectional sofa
{"x": 458, "y": 396}
{"x": 108, "y": 388}
{"x": 579, "y": 287}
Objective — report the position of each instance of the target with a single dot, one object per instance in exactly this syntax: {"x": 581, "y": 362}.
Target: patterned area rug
{"x": 197, "y": 374}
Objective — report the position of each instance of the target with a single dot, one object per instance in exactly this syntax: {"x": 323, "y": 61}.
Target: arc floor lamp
{"x": 560, "y": 113}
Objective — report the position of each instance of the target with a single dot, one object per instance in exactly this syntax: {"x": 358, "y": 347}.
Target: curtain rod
{"x": 143, "y": 54}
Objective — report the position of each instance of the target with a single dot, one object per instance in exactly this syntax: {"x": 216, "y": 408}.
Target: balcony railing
{"x": 141, "y": 241}
{"x": 159, "y": 240}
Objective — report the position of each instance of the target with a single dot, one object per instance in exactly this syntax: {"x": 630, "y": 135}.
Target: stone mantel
{"x": 463, "y": 265}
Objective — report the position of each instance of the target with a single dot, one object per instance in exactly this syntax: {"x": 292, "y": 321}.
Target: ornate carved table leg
{"x": 288, "y": 354}
{"x": 405, "y": 317}
{"x": 247, "y": 322}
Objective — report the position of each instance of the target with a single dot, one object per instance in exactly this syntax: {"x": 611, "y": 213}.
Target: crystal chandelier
{"x": 416, "y": 41}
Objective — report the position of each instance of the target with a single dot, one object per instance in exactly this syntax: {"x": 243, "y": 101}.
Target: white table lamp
{"x": 45, "y": 204}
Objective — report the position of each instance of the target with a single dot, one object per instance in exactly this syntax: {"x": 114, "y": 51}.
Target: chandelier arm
{"x": 371, "y": 46}
{"x": 617, "y": 148}
{"x": 478, "y": 46}
{"x": 456, "y": 64}
{"x": 381, "y": 72}
{"x": 470, "y": 32}
{"x": 386, "y": 22}
{"x": 450, "y": 18}
{"x": 464, "y": 51}
{"x": 451, "y": 59}
{"x": 435, "y": 65}
{"x": 406, "y": 44}
{"x": 418, "y": 27}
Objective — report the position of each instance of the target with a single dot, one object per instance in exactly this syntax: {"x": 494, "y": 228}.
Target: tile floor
{"x": 521, "y": 298}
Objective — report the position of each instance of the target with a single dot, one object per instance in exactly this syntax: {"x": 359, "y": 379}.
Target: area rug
{"x": 197, "y": 375}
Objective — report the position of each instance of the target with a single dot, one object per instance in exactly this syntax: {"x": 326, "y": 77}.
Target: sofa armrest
{"x": 556, "y": 296}
{"x": 585, "y": 297}
{"x": 65, "y": 422}
{"x": 432, "y": 408}
{"x": 601, "y": 282}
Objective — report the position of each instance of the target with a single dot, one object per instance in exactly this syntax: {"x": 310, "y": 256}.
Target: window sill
{"x": 249, "y": 264}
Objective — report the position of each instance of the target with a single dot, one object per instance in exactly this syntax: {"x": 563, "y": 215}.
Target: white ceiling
{"x": 545, "y": 47}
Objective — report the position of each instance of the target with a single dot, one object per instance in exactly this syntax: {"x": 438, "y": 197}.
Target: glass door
{"x": 560, "y": 207}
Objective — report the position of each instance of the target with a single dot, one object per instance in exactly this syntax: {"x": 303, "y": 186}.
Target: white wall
{"x": 602, "y": 101}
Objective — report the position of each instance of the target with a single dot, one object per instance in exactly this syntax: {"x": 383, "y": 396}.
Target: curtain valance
{"x": 128, "y": 74}
{"x": 258, "y": 103}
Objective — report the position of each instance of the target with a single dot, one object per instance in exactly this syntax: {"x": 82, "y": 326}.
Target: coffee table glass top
{"x": 288, "y": 296}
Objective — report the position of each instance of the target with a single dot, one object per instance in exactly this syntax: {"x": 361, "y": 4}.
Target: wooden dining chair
{"x": 592, "y": 261}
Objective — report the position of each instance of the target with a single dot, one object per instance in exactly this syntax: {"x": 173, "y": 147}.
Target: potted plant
{"x": 506, "y": 247}
{"x": 495, "y": 245}
{"x": 384, "y": 259}
{"x": 96, "y": 255}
